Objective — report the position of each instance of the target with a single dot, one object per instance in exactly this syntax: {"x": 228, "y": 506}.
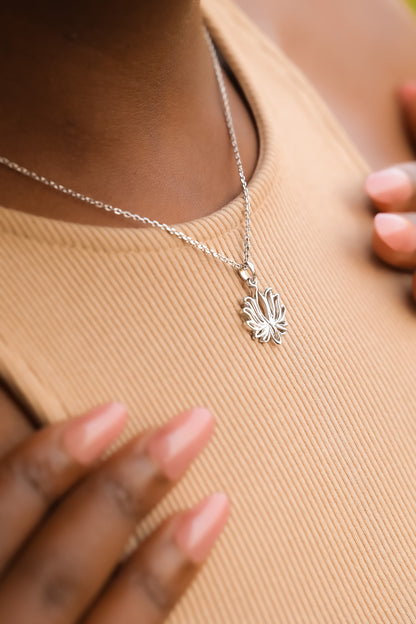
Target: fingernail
{"x": 407, "y": 92}
{"x": 396, "y": 231}
{"x": 92, "y": 433}
{"x": 175, "y": 445}
{"x": 198, "y": 529}
{"x": 389, "y": 185}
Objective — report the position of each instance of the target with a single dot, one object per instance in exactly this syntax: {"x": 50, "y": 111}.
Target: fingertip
{"x": 200, "y": 527}
{"x": 396, "y": 232}
{"x": 89, "y": 435}
{"x": 205, "y": 414}
{"x": 394, "y": 240}
{"x": 391, "y": 185}
{"x": 175, "y": 445}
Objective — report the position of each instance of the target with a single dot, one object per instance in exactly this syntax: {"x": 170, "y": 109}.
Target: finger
{"x": 414, "y": 286}
{"x": 72, "y": 555}
{"x": 15, "y": 425}
{"x": 407, "y": 101}
{"x": 45, "y": 465}
{"x": 394, "y": 239}
{"x": 147, "y": 588}
{"x": 393, "y": 189}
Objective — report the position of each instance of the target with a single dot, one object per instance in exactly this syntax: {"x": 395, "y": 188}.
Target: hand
{"x": 65, "y": 521}
{"x": 393, "y": 191}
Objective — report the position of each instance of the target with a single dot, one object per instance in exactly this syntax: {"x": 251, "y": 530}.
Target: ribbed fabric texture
{"x": 316, "y": 439}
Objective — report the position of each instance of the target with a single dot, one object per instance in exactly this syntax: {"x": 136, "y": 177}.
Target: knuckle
{"x": 156, "y": 592}
{"x": 123, "y": 495}
{"x": 133, "y": 485}
{"x": 57, "y": 579}
{"x": 36, "y": 473}
{"x": 59, "y": 591}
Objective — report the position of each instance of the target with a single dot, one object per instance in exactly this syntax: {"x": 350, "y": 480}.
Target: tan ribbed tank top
{"x": 315, "y": 439}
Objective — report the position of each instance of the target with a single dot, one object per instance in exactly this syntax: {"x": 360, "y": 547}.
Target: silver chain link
{"x": 163, "y": 226}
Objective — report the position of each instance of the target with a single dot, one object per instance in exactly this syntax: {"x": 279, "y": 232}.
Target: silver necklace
{"x": 262, "y": 313}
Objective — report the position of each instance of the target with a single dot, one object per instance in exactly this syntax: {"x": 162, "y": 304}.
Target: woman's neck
{"x": 118, "y": 100}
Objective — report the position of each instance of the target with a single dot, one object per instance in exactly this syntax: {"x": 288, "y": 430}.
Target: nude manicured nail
{"x": 198, "y": 529}
{"x": 396, "y": 231}
{"x": 92, "y": 433}
{"x": 175, "y": 445}
{"x": 389, "y": 186}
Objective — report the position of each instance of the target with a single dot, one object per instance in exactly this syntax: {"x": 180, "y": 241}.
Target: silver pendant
{"x": 262, "y": 313}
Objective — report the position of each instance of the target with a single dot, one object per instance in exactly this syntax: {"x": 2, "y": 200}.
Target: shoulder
{"x": 263, "y": 13}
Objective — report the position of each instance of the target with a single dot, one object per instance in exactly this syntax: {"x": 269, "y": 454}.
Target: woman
{"x": 314, "y": 438}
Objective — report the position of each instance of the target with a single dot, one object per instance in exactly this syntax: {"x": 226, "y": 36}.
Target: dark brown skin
{"x": 120, "y": 104}
{"x": 65, "y": 522}
{"x": 15, "y": 425}
{"x": 132, "y": 90}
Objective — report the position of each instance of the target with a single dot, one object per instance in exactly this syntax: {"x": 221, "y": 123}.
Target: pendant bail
{"x": 248, "y": 274}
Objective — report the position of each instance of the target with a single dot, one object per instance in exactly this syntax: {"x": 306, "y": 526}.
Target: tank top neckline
{"x": 206, "y": 229}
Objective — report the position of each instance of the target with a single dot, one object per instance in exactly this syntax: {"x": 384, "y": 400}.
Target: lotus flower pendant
{"x": 262, "y": 313}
